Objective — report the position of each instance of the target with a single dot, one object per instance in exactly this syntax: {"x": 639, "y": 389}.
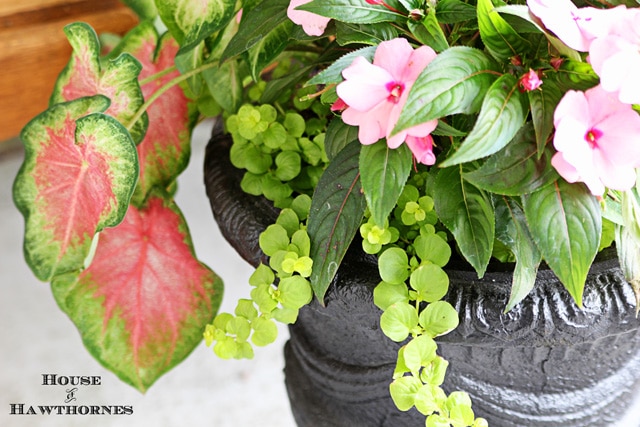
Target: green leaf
{"x": 295, "y": 292}
{"x": 338, "y": 136}
{"x": 403, "y": 392}
{"x": 78, "y": 175}
{"x": 566, "y": 224}
{"x": 543, "y": 103}
{"x": 501, "y": 116}
{"x": 430, "y": 281}
{"x": 516, "y": 169}
{"x": 467, "y": 212}
{"x": 500, "y": 39}
{"x": 190, "y": 22}
{"x": 265, "y": 331}
{"x": 454, "y": 82}
{"x": 256, "y": 24}
{"x": 429, "y": 32}
{"x": 352, "y": 11}
{"x": 439, "y": 318}
{"x": 398, "y": 320}
{"x": 145, "y": 9}
{"x": 419, "y": 352}
{"x": 333, "y": 73}
{"x": 368, "y": 34}
{"x": 383, "y": 172}
{"x": 273, "y": 239}
{"x": 225, "y": 85}
{"x": 512, "y": 231}
{"x": 453, "y": 11}
{"x": 337, "y": 209}
{"x": 575, "y": 75}
{"x": 432, "y": 248}
{"x": 386, "y": 294}
{"x": 393, "y": 265}
{"x": 264, "y": 51}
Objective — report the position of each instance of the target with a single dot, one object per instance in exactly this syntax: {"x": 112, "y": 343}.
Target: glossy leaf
{"x": 468, "y": 213}
{"x": 85, "y": 75}
{"x": 454, "y": 82}
{"x": 257, "y": 23}
{"x": 164, "y": 152}
{"x": 501, "y": 116}
{"x": 77, "y": 177}
{"x": 500, "y": 39}
{"x": 566, "y": 224}
{"x": 429, "y": 32}
{"x": 452, "y": 11}
{"x": 333, "y": 73}
{"x": 142, "y": 304}
{"x": 368, "y": 34}
{"x": 543, "y": 103}
{"x": 146, "y": 9}
{"x": 383, "y": 172}
{"x": 513, "y": 232}
{"x": 191, "y": 21}
{"x": 439, "y": 318}
{"x": 516, "y": 169}
{"x": 264, "y": 51}
{"x": 336, "y": 213}
{"x": 352, "y": 11}
{"x": 575, "y": 75}
{"x": 338, "y": 136}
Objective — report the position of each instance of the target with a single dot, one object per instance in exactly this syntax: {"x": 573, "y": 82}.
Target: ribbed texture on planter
{"x": 545, "y": 363}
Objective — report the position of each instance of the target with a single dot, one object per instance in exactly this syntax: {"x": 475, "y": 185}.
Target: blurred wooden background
{"x": 34, "y": 49}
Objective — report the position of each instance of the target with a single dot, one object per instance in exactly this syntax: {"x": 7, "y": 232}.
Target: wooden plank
{"x": 32, "y": 56}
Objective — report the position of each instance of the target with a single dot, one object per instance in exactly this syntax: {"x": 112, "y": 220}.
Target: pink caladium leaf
{"x": 78, "y": 175}
{"x": 86, "y": 75}
{"x": 164, "y": 152}
{"x": 142, "y": 304}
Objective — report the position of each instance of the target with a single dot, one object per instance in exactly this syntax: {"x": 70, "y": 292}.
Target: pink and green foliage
{"x": 78, "y": 176}
{"x": 87, "y": 75}
{"x": 142, "y": 304}
{"x": 164, "y": 152}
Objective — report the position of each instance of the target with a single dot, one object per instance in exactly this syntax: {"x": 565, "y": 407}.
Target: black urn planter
{"x": 545, "y": 363}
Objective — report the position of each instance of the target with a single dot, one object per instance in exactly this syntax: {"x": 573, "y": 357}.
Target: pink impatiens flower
{"x": 616, "y": 58}
{"x": 598, "y": 140}
{"x": 530, "y": 81}
{"x": 312, "y": 24}
{"x": 375, "y": 94}
{"x": 576, "y": 27}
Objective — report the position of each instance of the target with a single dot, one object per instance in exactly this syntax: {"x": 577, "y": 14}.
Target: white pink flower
{"x": 598, "y": 140}
{"x": 312, "y": 24}
{"x": 616, "y": 58}
{"x": 375, "y": 94}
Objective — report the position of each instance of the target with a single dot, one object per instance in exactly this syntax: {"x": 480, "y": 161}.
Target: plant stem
{"x": 157, "y": 75}
{"x": 165, "y": 88}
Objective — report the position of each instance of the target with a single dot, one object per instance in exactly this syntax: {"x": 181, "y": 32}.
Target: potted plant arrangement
{"x": 440, "y": 197}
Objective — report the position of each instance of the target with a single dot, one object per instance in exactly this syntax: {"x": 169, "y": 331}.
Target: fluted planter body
{"x": 545, "y": 363}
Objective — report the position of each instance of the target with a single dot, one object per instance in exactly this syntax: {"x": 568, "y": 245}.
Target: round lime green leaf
{"x": 393, "y": 265}
{"x": 398, "y": 320}
{"x": 240, "y": 327}
{"x": 295, "y": 292}
{"x": 246, "y": 309}
{"x": 265, "y": 331}
{"x": 403, "y": 392}
{"x": 419, "y": 352}
{"x": 262, "y": 295}
{"x": 263, "y": 275}
{"x": 430, "y": 281}
{"x": 434, "y": 373}
{"x": 386, "y": 294}
{"x": 433, "y": 248}
{"x": 425, "y": 402}
{"x": 439, "y": 318}
{"x": 273, "y": 239}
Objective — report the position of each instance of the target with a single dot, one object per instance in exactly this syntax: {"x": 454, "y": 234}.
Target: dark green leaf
{"x": 338, "y": 136}
{"x": 383, "y": 172}
{"x": 500, "y": 39}
{"x": 575, "y": 75}
{"x": 501, "y": 115}
{"x": 428, "y": 32}
{"x": 516, "y": 169}
{"x": 452, "y": 11}
{"x": 352, "y": 11}
{"x": 337, "y": 209}
{"x": 265, "y": 50}
{"x": 566, "y": 224}
{"x": 543, "y": 103}
{"x": 333, "y": 73}
{"x": 225, "y": 85}
{"x": 256, "y": 24}
{"x": 468, "y": 213}
{"x": 454, "y": 82}
{"x": 512, "y": 231}
{"x": 371, "y": 34}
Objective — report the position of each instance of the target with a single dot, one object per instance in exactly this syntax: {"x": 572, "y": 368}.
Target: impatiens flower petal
{"x": 375, "y": 93}
{"x": 312, "y": 24}
{"x": 576, "y": 27}
{"x": 598, "y": 140}
{"x": 365, "y": 85}
{"x": 616, "y": 58}
{"x": 422, "y": 149}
